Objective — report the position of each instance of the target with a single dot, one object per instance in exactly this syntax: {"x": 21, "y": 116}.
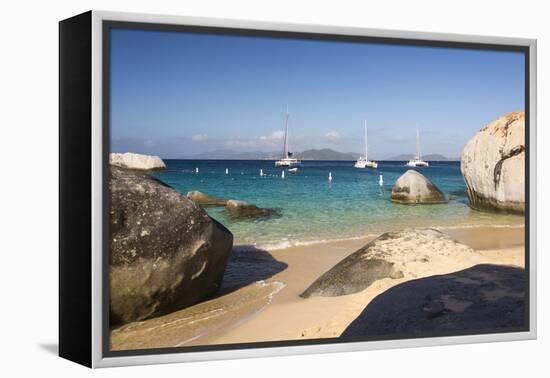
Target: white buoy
{"x": 283, "y": 174}
{"x": 261, "y": 172}
{"x": 196, "y": 170}
{"x": 226, "y": 171}
{"x": 330, "y": 176}
{"x": 381, "y": 182}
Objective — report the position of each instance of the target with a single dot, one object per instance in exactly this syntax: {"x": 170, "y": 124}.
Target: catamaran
{"x": 364, "y": 162}
{"x": 286, "y": 160}
{"x": 417, "y": 160}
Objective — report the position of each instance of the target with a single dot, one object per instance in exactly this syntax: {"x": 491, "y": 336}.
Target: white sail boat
{"x": 364, "y": 162}
{"x": 286, "y": 160}
{"x": 417, "y": 160}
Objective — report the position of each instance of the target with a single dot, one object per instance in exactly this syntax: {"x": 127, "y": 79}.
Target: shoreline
{"x": 289, "y": 243}
{"x": 270, "y": 309}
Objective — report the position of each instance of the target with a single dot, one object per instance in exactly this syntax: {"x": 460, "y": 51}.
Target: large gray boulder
{"x": 205, "y": 199}
{"x": 493, "y": 165}
{"x": 138, "y": 162}
{"x": 166, "y": 252}
{"x": 481, "y": 298}
{"x": 414, "y": 188}
{"x": 244, "y": 210}
{"x": 388, "y": 256}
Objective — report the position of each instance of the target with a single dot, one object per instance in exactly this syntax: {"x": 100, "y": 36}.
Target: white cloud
{"x": 271, "y": 140}
{"x": 199, "y": 137}
{"x": 277, "y": 135}
{"x": 242, "y": 142}
{"x": 332, "y": 135}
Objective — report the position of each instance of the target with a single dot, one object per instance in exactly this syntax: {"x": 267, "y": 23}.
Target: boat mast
{"x": 418, "y": 156}
{"x": 366, "y": 140}
{"x": 285, "y": 152}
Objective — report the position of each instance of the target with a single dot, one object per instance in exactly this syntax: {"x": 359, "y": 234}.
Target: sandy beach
{"x": 271, "y": 309}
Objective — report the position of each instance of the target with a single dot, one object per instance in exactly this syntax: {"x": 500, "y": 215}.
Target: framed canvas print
{"x": 233, "y": 189}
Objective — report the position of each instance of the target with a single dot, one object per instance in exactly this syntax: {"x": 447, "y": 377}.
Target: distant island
{"x": 325, "y": 154}
{"x": 312, "y": 154}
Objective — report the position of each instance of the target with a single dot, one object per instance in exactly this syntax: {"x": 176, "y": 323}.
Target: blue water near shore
{"x": 314, "y": 209}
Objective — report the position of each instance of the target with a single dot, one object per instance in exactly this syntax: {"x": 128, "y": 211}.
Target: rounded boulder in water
{"x": 414, "y": 188}
{"x": 244, "y": 210}
{"x": 204, "y": 199}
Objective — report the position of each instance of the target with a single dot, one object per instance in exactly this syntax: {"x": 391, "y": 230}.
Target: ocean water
{"x": 314, "y": 209}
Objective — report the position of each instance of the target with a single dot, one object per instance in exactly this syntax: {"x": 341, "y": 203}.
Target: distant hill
{"x": 313, "y": 154}
{"x": 323, "y": 154}
{"x": 430, "y": 157}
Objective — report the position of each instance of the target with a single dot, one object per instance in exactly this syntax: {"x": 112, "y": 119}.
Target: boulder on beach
{"x": 414, "y": 188}
{"x": 204, "y": 199}
{"x": 244, "y": 210}
{"x": 166, "y": 252}
{"x": 481, "y": 298}
{"x": 138, "y": 162}
{"x": 391, "y": 255}
{"x": 493, "y": 165}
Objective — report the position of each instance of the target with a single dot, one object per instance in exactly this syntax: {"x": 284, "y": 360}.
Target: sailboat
{"x": 417, "y": 160}
{"x": 286, "y": 160}
{"x": 364, "y": 162}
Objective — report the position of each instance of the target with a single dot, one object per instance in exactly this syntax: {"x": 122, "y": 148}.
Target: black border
{"x": 107, "y": 25}
{"x": 75, "y": 188}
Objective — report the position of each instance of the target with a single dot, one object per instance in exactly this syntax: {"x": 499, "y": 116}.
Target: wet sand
{"x": 272, "y": 310}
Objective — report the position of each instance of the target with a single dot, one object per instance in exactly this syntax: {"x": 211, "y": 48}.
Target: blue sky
{"x": 178, "y": 94}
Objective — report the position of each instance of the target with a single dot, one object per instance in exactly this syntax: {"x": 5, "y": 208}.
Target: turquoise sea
{"x": 313, "y": 209}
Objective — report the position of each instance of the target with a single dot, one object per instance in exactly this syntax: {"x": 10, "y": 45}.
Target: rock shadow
{"x": 483, "y": 298}
{"x": 246, "y": 265}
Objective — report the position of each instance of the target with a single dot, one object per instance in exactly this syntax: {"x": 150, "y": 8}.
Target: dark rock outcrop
{"x": 387, "y": 256}
{"x": 244, "y": 210}
{"x": 414, "y": 188}
{"x": 166, "y": 252}
{"x": 493, "y": 165}
{"x": 204, "y": 199}
{"x": 485, "y": 297}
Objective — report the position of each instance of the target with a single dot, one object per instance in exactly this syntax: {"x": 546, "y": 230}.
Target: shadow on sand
{"x": 484, "y": 298}
{"x": 246, "y": 265}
